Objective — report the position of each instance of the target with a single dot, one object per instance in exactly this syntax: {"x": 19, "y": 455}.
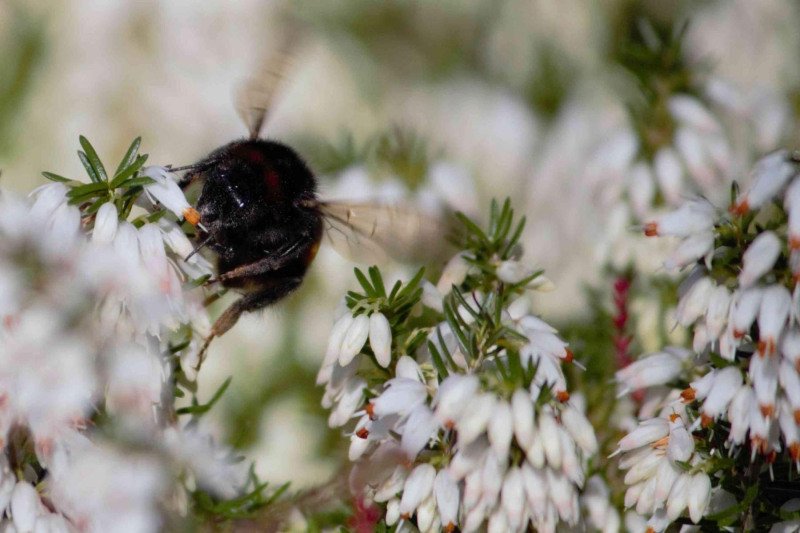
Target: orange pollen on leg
{"x": 370, "y": 409}
{"x": 794, "y": 451}
{"x": 191, "y": 215}
{"x": 688, "y": 394}
{"x": 651, "y": 229}
{"x": 740, "y": 208}
{"x": 767, "y": 410}
{"x": 362, "y": 433}
{"x": 568, "y": 355}
{"x": 705, "y": 420}
{"x": 562, "y": 396}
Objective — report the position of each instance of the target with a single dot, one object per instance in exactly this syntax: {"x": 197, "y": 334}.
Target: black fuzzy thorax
{"x": 252, "y": 203}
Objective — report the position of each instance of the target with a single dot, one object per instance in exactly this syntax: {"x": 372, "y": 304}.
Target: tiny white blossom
{"x": 418, "y": 487}
{"x": 772, "y": 316}
{"x": 699, "y": 495}
{"x": 669, "y": 173}
{"x": 165, "y": 190}
{"x": 769, "y": 175}
{"x": 354, "y": 339}
{"x": 380, "y": 338}
{"x": 694, "y": 216}
{"x": 759, "y": 258}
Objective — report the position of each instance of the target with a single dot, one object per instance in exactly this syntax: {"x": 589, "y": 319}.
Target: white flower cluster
{"x": 463, "y": 449}
{"x": 89, "y": 305}
{"x": 696, "y": 158}
{"x": 741, "y": 300}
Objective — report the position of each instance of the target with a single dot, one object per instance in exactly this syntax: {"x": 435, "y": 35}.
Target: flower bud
{"x": 769, "y": 175}
{"x": 24, "y": 506}
{"x": 699, "y": 495}
{"x": 759, "y": 258}
{"x": 694, "y": 303}
{"x": 501, "y": 428}
{"x": 772, "y": 316}
{"x": 416, "y": 488}
{"x": 105, "y": 224}
{"x": 354, "y": 339}
{"x": 669, "y": 174}
{"x": 380, "y": 338}
{"x": 445, "y": 490}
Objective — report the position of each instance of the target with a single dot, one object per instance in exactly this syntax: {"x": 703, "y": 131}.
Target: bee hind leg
{"x": 250, "y": 302}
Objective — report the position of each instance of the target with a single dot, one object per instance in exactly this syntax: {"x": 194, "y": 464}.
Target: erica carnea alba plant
{"x": 454, "y": 398}
{"x": 726, "y": 438}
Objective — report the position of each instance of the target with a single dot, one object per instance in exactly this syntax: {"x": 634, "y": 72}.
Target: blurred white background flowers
{"x": 596, "y": 119}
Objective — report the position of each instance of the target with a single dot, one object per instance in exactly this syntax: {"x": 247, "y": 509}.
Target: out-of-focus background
{"x": 450, "y": 102}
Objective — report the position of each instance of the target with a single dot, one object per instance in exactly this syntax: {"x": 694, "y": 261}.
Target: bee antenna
{"x": 198, "y": 248}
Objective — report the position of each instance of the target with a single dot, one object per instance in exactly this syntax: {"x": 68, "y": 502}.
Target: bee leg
{"x": 266, "y": 264}
{"x": 250, "y": 302}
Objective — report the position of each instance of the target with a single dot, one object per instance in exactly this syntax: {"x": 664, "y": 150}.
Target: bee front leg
{"x": 250, "y": 302}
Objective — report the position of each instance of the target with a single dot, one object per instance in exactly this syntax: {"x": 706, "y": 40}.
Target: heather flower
{"x": 739, "y": 299}
{"x": 463, "y": 450}
{"x": 96, "y": 336}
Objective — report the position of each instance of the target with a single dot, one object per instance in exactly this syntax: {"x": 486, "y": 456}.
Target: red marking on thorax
{"x": 273, "y": 181}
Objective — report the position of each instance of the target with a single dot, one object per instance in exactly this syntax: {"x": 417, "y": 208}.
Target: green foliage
{"x": 122, "y": 188}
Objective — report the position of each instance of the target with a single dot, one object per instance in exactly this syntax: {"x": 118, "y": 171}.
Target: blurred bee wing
{"x": 374, "y": 232}
{"x": 255, "y": 97}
